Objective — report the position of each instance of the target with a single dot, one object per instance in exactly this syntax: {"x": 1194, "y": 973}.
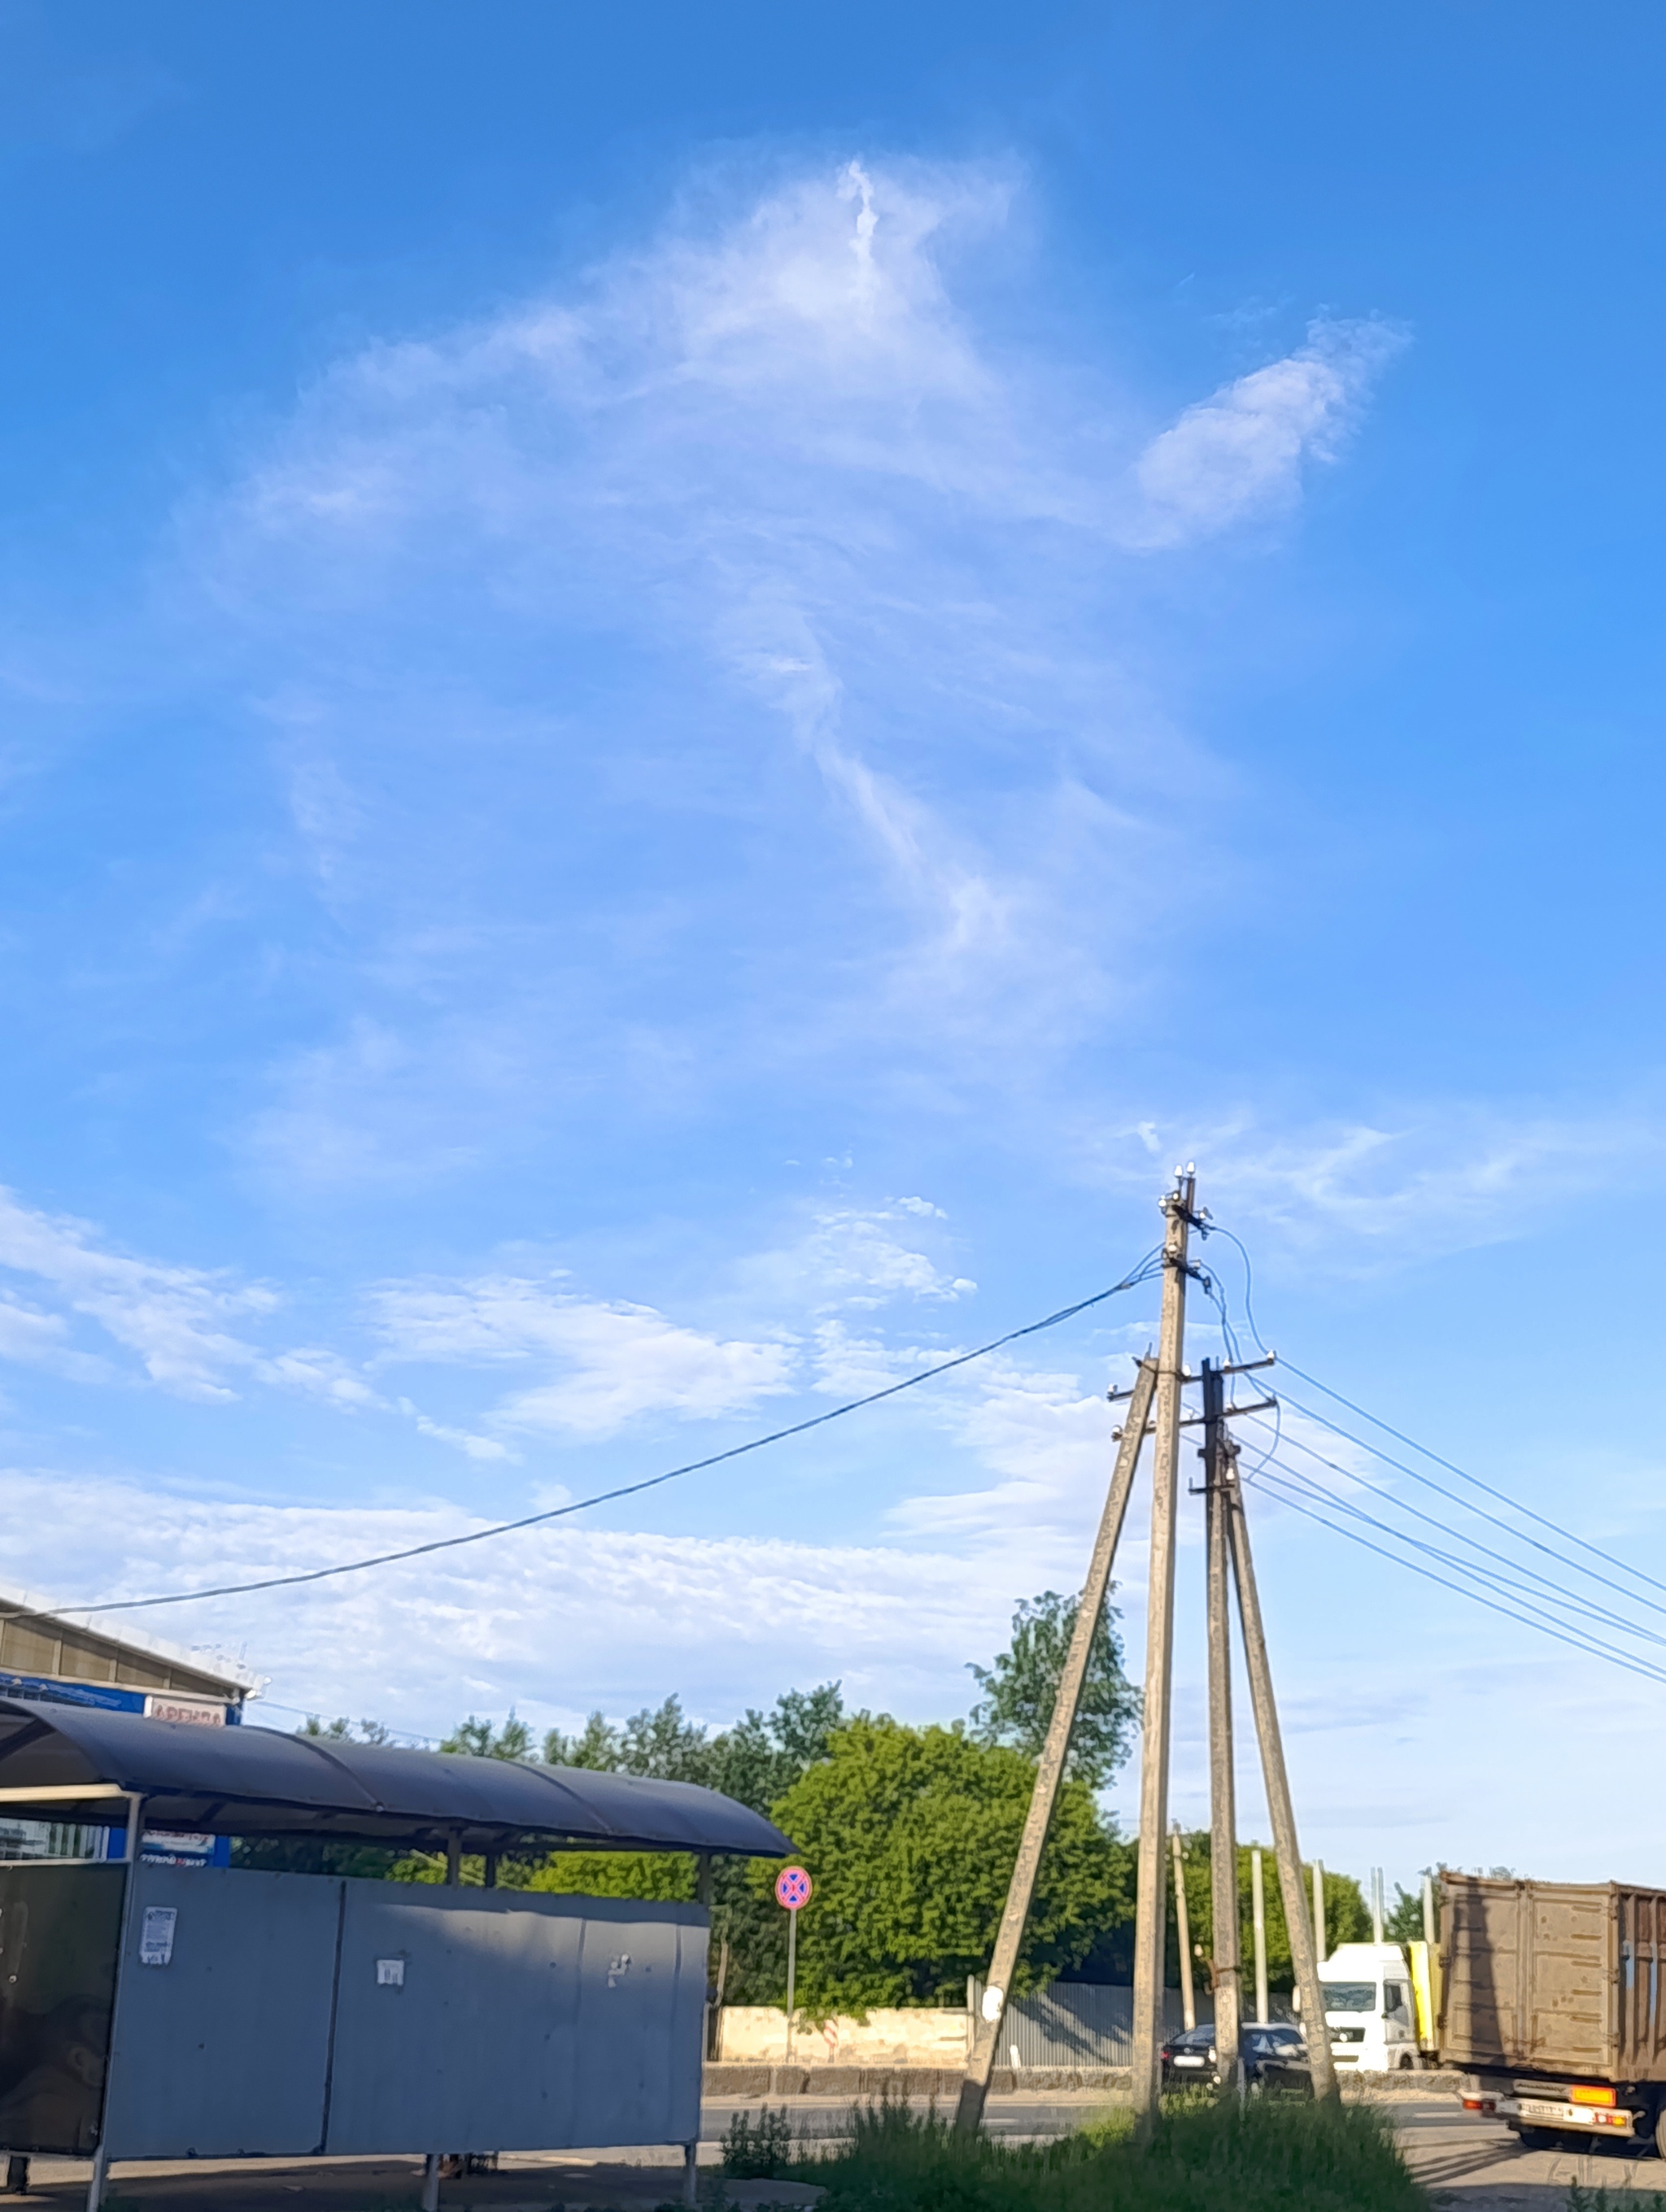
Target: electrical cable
{"x": 1631, "y": 1666}
{"x": 1498, "y": 1579}
{"x": 1463, "y": 1476}
{"x": 1456, "y": 1536}
{"x": 1141, "y": 1273}
{"x": 1516, "y": 1535}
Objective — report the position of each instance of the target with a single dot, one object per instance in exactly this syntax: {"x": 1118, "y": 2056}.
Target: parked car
{"x": 1274, "y": 2055}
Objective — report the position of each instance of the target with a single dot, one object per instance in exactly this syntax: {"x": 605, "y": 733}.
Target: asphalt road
{"x": 1467, "y": 2163}
{"x": 1475, "y": 2165}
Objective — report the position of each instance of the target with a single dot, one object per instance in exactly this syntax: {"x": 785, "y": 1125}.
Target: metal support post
{"x": 1223, "y": 1811}
{"x": 1149, "y": 1915}
{"x": 431, "y": 2182}
{"x": 1278, "y": 1798}
{"x": 1182, "y": 1932}
{"x": 101, "y": 2174}
{"x": 1049, "y": 1768}
{"x": 453, "y": 1859}
{"x": 1429, "y": 1911}
{"x": 792, "y": 1977}
{"x": 1258, "y": 1922}
{"x": 1319, "y": 1937}
{"x": 1377, "y": 1905}
{"x": 691, "y": 2175}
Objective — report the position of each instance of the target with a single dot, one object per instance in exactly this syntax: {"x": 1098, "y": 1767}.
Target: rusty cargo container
{"x": 1551, "y": 1997}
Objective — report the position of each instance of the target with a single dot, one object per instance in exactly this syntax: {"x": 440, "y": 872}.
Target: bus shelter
{"x": 150, "y": 2010}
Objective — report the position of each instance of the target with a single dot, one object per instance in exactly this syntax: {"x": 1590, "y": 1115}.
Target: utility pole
{"x": 1258, "y": 1922}
{"x": 1049, "y": 1768}
{"x": 1182, "y": 1932}
{"x": 1150, "y": 1917}
{"x": 1277, "y": 1780}
{"x": 1223, "y": 1816}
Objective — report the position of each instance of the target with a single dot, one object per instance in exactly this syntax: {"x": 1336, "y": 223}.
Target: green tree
{"x": 512, "y": 1740}
{"x": 1347, "y": 1918}
{"x": 1022, "y": 1687}
{"x": 911, "y": 1835}
{"x": 1404, "y": 1924}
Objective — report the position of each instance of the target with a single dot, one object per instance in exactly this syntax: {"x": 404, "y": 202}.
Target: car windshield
{"x": 1192, "y": 2038}
{"x": 1280, "y": 2034}
{"x": 1350, "y": 1997}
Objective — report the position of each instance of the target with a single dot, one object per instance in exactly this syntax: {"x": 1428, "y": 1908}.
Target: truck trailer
{"x": 1551, "y": 2005}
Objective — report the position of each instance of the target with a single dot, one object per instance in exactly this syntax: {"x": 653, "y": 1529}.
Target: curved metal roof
{"x": 260, "y": 1782}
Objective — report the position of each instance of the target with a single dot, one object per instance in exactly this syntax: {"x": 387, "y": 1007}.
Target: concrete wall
{"x": 757, "y": 2034}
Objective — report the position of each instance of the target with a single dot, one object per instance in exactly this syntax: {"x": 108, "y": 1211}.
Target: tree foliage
{"x": 1347, "y": 1918}
{"x": 1021, "y": 1688}
{"x": 911, "y": 1835}
{"x": 477, "y": 1738}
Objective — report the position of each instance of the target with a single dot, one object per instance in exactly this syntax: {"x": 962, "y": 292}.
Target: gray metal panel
{"x": 58, "y": 1927}
{"x": 223, "y": 2050}
{"x": 517, "y": 2022}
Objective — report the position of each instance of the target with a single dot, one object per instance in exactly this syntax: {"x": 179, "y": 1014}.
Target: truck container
{"x": 1551, "y": 2002}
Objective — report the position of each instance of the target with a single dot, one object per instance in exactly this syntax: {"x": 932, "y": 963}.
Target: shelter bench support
{"x": 431, "y": 2182}
{"x": 691, "y": 2174}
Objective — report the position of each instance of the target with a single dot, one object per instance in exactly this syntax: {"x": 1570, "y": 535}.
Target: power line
{"x": 1141, "y": 1273}
{"x": 1463, "y": 1476}
{"x": 1526, "y": 1621}
{"x": 1456, "y": 1536}
{"x": 1517, "y": 1535}
{"x": 1500, "y": 1581}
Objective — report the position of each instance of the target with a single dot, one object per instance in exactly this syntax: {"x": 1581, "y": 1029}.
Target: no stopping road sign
{"x": 793, "y": 1888}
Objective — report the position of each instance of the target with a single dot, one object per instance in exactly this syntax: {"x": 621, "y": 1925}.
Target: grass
{"x": 1201, "y": 2157}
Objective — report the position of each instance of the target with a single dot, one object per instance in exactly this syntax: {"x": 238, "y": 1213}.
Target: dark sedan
{"x": 1274, "y": 2055}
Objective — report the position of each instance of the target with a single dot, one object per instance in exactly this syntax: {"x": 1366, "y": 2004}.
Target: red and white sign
{"x": 793, "y": 1888}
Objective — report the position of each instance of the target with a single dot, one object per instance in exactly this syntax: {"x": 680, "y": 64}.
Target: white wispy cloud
{"x": 783, "y": 468}
{"x": 612, "y": 1362}
{"x": 1243, "y": 453}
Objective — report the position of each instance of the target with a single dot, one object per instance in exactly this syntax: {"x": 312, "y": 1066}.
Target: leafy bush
{"x": 760, "y": 2149}
{"x": 1201, "y": 2157}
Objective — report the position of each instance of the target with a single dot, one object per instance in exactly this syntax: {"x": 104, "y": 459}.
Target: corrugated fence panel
{"x": 1089, "y": 2023}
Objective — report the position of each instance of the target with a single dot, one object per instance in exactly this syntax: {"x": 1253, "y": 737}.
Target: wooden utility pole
{"x": 1049, "y": 1769}
{"x": 1278, "y": 1799}
{"x": 1150, "y": 1917}
{"x": 1223, "y": 1817}
{"x": 1182, "y": 1932}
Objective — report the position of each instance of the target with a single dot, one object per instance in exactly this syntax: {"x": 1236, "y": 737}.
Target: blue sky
{"x": 684, "y": 691}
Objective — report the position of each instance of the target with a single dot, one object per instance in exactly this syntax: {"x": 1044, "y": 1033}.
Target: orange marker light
{"x": 1584, "y": 2093}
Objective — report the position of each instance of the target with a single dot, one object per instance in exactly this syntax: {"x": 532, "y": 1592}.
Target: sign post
{"x": 793, "y": 1888}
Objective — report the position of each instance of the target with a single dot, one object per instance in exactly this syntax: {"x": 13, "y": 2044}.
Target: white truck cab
{"x": 1370, "y": 2007}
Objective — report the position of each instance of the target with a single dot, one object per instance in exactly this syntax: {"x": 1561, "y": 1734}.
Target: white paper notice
{"x": 390, "y": 1974}
{"x": 157, "y": 1934}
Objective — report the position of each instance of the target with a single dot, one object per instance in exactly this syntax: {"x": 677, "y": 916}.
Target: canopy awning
{"x": 75, "y": 1763}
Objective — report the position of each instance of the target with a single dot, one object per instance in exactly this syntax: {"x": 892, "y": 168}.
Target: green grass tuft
{"x": 1200, "y": 2157}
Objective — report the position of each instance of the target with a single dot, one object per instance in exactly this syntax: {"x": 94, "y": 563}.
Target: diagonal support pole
{"x": 1049, "y": 1768}
{"x": 1277, "y": 1778}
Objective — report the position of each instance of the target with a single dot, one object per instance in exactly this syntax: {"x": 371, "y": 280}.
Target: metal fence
{"x": 1087, "y": 2024}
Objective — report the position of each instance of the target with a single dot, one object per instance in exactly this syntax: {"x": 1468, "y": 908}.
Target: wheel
{"x": 1659, "y": 2132}
{"x": 1536, "y": 2138}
